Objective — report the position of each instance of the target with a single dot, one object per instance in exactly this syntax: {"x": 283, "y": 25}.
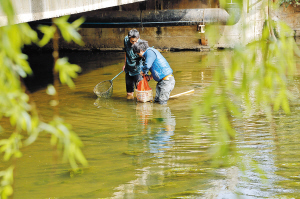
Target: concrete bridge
{"x": 154, "y": 28}
{"x": 106, "y": 22}
{"x": 32, "y": 10}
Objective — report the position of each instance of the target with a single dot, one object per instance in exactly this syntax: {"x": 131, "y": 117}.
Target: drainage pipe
{"x": 157, "y": 18}
{"x": 153, "y": 18}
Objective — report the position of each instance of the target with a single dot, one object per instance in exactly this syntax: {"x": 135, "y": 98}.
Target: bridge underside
{"x": 33, "y": 10}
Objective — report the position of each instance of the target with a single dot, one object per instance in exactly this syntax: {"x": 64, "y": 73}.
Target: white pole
{"x": 184, "y": 93}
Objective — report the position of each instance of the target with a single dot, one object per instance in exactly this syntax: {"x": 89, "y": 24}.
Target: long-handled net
{"x": 104, "y": 89}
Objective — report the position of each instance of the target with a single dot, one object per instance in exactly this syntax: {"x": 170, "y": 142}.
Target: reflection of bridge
{"x": 32, "y": 10}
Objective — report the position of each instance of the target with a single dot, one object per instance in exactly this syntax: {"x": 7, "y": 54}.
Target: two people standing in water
{"x": 139, "y": 60}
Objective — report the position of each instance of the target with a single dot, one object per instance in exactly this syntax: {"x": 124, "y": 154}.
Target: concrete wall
{"x": 249, "y": 27}
{"x": 253, "y": 18}
{"x": 160, "y": 37}
{"x": 175, "y": 37}
{"x": 179, "y": 37}
{"x": 290, "y": 15}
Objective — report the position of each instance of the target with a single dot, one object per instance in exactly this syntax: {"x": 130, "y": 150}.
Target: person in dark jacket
{"x": 159, "y": 68}
{"x": 133, "y": 62}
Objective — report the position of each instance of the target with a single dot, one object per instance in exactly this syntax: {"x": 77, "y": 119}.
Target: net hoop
{"x": 104, "y": 89}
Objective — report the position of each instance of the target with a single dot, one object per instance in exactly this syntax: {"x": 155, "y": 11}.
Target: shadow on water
{"x": 88, "y": 95}
{"x": 41, "y": 63}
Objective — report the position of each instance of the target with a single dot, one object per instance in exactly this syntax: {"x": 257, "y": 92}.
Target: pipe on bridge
{"x": 153, "y": 18}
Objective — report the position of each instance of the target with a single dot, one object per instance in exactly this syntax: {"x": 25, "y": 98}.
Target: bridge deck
{"x": 33, "y": 10}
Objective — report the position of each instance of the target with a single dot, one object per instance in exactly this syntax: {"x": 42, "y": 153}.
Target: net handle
{"x": 116, "y": 75}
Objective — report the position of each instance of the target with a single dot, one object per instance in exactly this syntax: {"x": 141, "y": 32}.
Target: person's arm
{"x": 125, "y": 49}
{"x": 150, "y": 57}
{"x": 124, "y": 63}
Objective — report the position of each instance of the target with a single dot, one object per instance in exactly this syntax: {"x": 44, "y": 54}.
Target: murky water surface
{"x": 145, "y": 150}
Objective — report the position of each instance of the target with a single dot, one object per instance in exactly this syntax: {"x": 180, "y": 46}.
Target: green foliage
{"x": 7, "y": 8}
{"x": 66, "y": 71}
{"x": 48, "y": 32}
{"x": 50, "y": 90}
{"x": 11, "y": 146}
{"x": 66, "y": 140}
{"x": 15, "y": 103}
{"x": 7, "y": 179}
{"x": 289, "y": 2}
{"x": 68, "y": 30}
{"x": 252, "y": 78}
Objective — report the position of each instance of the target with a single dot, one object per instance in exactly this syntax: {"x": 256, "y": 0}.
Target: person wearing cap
{"x": 159, "y": 68}
{"x": 133, "y": 62}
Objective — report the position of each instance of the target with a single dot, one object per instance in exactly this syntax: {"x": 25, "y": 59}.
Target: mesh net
{"x": 104, "y": 89}
{"x": 144, "y": 92}
{"x": 143, "y": 85}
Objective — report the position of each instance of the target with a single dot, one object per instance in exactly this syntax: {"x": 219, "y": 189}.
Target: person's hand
{"x": 123, "y": 68}
{"x": 149, "y": 77}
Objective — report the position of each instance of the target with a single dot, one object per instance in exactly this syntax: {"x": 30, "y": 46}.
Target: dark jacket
{"x": 133, "y": 61}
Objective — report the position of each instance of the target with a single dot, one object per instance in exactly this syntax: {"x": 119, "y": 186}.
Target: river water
{"x": 145, "y": 150}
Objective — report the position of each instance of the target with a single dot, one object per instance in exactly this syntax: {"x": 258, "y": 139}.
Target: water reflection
{"x": 158, "y": 126}
{"x": 104, "y": 103}
{"x": 145, "y": 150}
{"x": 144, "y": 112}
{"x": 162, "y": 139}
{"x": 162, "y": 125}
